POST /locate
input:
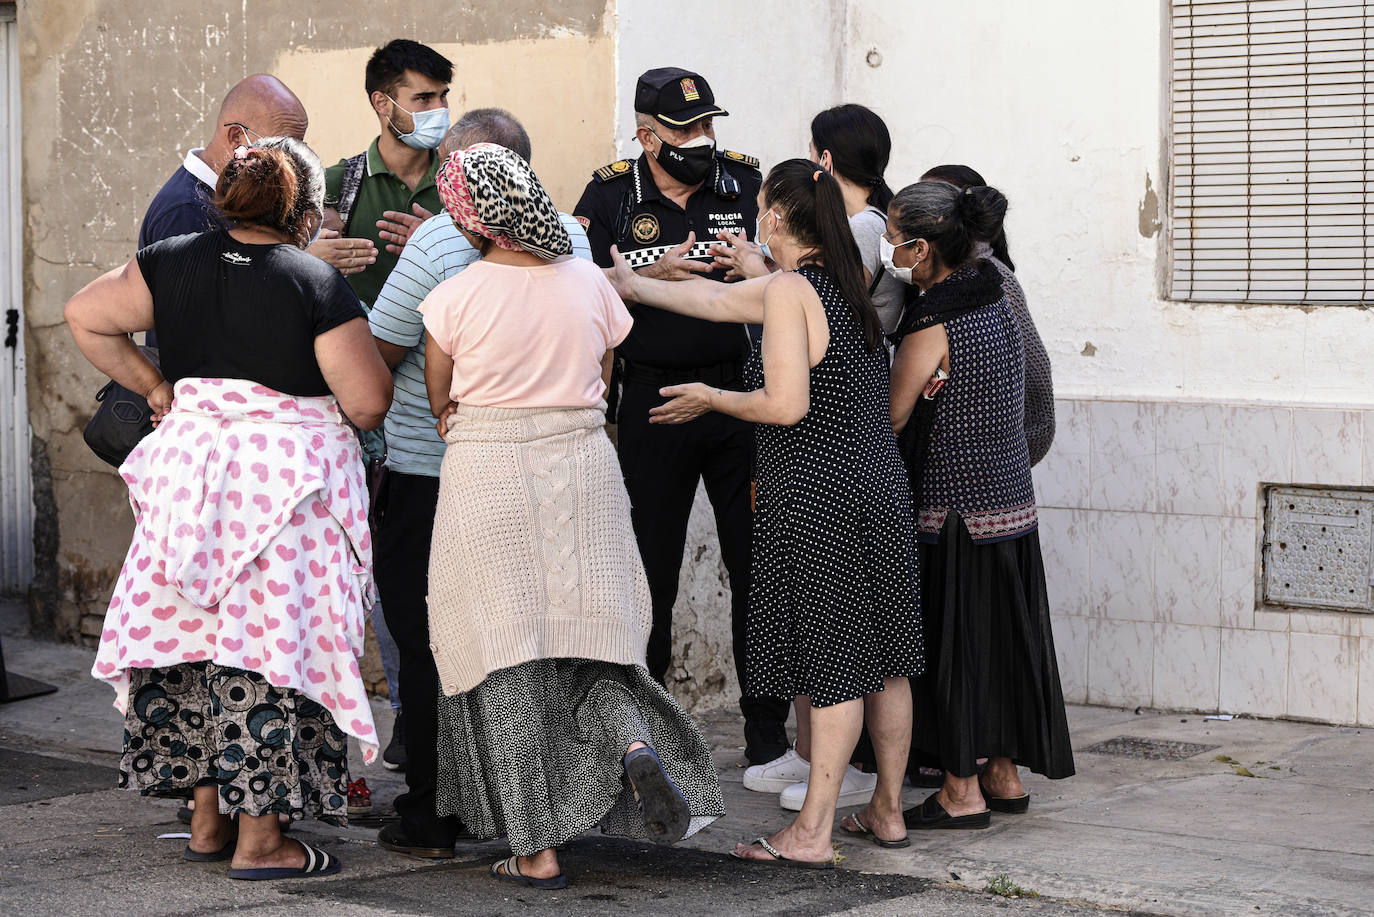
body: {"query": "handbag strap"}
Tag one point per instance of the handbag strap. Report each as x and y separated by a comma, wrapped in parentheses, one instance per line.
(348, 190)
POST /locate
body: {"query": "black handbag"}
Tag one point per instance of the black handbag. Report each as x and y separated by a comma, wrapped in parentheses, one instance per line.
(121, 419)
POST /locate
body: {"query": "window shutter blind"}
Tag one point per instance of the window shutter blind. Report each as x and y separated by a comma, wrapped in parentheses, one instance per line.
(1272, 147)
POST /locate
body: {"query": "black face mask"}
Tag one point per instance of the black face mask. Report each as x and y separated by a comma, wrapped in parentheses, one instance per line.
(688, 165)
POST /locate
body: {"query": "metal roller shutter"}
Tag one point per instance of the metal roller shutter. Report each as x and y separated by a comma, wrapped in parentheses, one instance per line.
(1272, 147)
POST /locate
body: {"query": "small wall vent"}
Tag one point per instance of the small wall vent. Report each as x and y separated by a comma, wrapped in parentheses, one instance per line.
(1319, 548)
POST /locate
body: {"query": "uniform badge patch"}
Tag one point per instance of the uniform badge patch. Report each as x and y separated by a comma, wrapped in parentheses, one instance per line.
(586, 223)
(733, 155)
(645, 228)
(620, 165)
(689, 89)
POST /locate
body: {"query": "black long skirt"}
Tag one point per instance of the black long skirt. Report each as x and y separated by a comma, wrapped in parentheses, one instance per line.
(991, 687)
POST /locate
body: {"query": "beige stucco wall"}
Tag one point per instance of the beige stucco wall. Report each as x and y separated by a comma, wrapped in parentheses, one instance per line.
(115, 92)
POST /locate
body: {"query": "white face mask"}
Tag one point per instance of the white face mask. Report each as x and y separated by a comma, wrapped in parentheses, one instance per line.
(758, 233)
(319, 228)
(430, 127)
(885, 252)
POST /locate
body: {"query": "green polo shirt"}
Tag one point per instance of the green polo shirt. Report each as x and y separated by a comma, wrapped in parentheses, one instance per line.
(379, 192)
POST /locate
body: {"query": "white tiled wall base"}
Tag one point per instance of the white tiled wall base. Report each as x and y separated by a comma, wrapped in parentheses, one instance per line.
(1151, 520)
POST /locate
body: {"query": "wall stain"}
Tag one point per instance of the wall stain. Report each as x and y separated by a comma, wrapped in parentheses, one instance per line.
(1088, 349)
(1148, 215)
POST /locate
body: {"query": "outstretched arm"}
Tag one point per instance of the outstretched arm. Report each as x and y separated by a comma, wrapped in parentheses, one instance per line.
(699, 298)
(786, 395)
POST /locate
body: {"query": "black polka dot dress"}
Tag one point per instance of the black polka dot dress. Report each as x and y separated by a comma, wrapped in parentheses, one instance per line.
(834, 604)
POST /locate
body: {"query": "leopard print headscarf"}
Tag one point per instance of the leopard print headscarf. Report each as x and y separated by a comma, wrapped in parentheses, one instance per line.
(491, 192)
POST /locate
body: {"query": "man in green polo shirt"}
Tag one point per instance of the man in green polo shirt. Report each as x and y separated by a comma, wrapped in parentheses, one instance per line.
(371, 196)
(407, 84)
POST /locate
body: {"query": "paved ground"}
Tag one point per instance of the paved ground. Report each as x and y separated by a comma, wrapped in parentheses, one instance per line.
(1128, 834)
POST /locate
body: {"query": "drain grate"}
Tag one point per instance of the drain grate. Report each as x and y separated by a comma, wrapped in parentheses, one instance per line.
(1155, 749)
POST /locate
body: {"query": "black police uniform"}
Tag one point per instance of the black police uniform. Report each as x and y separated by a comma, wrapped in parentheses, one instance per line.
(662, 463)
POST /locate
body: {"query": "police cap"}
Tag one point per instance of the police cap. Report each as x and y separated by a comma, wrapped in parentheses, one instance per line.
(676, 97)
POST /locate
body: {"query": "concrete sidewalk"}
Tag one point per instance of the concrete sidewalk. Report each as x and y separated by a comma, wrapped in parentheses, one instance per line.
(1168, 836)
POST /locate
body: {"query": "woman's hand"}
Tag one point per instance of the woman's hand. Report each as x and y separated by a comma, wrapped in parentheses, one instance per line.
(441, 425)
(741, 258)
(348, 256)
(160, 400)
(689, 402)
(621, 276)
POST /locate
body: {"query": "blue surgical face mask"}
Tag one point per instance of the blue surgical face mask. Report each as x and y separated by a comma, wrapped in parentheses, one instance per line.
(319, 228)
(758, 235)
(430, 127)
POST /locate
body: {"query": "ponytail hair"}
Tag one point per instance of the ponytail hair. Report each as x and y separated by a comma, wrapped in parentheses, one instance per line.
(860, 147)
(273, 184)
(963, 177)
(811, 203)
(948, 218)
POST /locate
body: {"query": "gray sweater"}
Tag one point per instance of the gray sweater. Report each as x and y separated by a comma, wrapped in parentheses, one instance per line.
(1039, 386)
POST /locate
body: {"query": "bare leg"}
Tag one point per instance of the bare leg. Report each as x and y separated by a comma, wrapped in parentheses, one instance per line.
(801, 708)
(261, 845)
(1001, 779)
(542, 865)
(961, 795)
(210, 831)
(835, 732)
(888, 715)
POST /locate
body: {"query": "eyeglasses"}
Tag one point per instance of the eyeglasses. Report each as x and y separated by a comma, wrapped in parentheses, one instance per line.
(257, 138)
(707, 124)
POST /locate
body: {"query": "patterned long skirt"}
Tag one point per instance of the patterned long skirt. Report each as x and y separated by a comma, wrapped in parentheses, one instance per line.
(266, 749)
(533, 753)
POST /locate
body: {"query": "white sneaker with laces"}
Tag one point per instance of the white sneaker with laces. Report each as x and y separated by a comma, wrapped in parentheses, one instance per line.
(778, 774)
(856, 790)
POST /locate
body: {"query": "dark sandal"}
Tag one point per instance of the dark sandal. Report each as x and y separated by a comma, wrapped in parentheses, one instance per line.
(513, 874)
(317, 863)
(219, 856)
(665, 809)
(864, 830)
(1009, 805)
(779, 860)
(930, 814)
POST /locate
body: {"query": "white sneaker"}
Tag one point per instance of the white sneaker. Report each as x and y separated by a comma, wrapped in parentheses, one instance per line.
(778, 774)
(856, 790)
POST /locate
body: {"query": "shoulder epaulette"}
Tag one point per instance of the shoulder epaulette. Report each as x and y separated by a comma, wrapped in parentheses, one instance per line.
(616, 169)
(750, 161)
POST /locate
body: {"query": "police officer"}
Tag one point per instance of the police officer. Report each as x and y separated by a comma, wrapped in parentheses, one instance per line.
(647, 207)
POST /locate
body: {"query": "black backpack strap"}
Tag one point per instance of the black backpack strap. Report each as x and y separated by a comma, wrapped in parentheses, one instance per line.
(348, 190)
(877, 279)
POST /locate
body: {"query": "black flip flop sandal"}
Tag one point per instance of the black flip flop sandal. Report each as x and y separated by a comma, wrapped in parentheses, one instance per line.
(513, 874)
(317, 863)
(930, 814)
(865, 831)
(1008, 805)
(778, 859)
(224, 853)
(665, 808)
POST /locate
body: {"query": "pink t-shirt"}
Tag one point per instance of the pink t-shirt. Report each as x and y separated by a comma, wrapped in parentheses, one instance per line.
(527, 337)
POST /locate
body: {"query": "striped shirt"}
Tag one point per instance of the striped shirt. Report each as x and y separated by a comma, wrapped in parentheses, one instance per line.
(434, 253)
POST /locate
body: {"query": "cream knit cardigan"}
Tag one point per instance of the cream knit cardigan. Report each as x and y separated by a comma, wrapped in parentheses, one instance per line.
(533, 555)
